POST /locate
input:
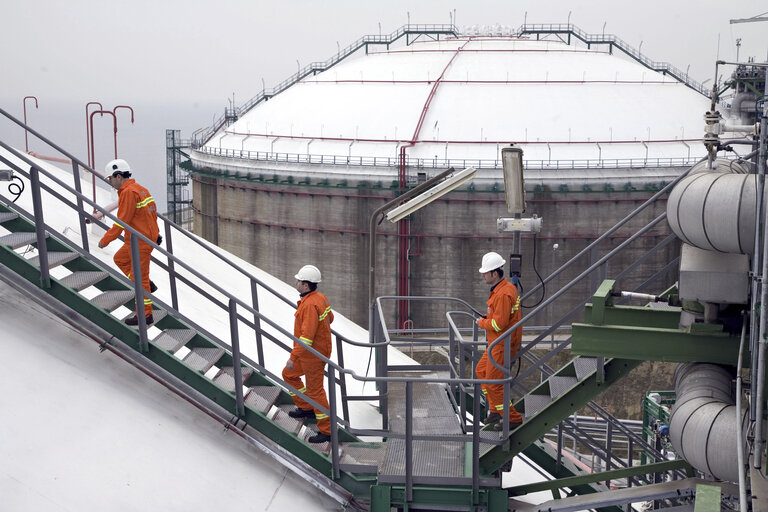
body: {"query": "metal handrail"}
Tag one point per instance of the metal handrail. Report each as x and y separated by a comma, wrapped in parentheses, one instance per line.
(430, 163)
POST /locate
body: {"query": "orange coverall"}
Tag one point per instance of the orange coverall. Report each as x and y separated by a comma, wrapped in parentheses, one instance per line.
(503, 312)
(136, 209)
(312, 325)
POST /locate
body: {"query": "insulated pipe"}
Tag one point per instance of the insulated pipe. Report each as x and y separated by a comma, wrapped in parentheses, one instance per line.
(715, 211)
(704, 419)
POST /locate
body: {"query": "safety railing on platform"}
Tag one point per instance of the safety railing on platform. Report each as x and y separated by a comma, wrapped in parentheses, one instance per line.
(437, 163)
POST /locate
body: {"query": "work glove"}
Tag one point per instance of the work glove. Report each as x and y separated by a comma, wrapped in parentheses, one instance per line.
(159, 239)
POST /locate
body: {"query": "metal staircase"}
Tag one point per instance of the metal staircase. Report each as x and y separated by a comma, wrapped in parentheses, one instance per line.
(429, 451)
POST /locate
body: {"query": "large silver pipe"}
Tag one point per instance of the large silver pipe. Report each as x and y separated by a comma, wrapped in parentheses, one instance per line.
(739, 437)
(704, 419)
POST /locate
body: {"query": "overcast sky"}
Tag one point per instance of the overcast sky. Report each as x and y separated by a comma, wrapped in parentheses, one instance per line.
(178, 62)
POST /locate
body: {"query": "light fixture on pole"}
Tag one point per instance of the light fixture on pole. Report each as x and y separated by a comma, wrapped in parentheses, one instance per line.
(452, 181)
(514, 190)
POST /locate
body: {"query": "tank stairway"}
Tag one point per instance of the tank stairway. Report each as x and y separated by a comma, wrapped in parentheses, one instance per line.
(89, 287)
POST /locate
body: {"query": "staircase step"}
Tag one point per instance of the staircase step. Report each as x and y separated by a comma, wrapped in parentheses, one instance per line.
(535, 403)
(172, 339)
(202, 359)
(290, 424)
(559, 385)
(226, 377)
(19, 239)
(113, 299)
(584, 366)
(82, 280)
(157, 315)
(362, 457)
(309, 432)
(55, 258)
(6, 216)
(261, 398)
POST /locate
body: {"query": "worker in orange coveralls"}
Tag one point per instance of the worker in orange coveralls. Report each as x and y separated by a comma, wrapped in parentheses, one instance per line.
(312, 326)
(502, 313)
(136, 209)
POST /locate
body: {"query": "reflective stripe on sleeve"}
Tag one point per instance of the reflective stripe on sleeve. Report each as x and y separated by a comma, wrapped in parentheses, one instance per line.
(495, 325)
(307, 341)
(325, 314)
(145, 202)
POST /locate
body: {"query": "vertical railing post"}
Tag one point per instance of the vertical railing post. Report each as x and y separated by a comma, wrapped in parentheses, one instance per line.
(80, 209)
(334, 422)
(238, 370)
(559, 445)
(257, 321)
(342, 377)
(476, 442)
(409, 441)
(37, 208)
(138, 293)
(507, 385)
(171, 267)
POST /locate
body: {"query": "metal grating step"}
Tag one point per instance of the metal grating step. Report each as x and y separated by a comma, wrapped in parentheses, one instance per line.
(362, 457)
(430, 459)
(173, 339)
(309, 432)
(261, 398)
(433, 411)
(82, 280)
(55, 258)
(290, 424)
(202, 359)
(584, 366)
(6, 216)
(19, 239)
(226, 377)
(535, 403)
(559, 385)
(113, 299)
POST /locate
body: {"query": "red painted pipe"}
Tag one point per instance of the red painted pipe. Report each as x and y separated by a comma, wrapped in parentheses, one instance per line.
(88, 132)
(114, 112)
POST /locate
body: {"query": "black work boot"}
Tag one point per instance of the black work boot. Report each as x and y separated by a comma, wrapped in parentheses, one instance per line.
(152, 287)
(134, 320)
(319, 438)
(492, 418)
(301, 413)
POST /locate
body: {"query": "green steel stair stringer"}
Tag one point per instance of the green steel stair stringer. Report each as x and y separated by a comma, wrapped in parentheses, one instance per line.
(574, 398)
(357, 484)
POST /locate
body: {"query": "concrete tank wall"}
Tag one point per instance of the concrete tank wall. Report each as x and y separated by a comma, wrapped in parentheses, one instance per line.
(280, 226)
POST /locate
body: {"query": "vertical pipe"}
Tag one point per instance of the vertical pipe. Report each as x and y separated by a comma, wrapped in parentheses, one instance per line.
(409, 441)
(138, 291)
(37, 208)
(739, 423)
(257, 321)
(238, 370)
(559, 460)
(80, 209)
(171, 267)
(334, 421)
(759, 435)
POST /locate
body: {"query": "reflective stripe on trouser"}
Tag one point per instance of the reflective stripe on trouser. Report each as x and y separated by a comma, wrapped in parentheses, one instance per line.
(123, 261)
(494, 393)
(313, 370)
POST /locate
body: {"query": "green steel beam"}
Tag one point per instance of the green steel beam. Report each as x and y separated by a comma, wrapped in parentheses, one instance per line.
(653, 344)
(384, 497)
(604, 476)
(535, 427)
(633, 315)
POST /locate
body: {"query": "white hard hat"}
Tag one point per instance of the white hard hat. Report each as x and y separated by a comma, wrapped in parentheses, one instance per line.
(118, 166)
(491, 261)
(308, 273)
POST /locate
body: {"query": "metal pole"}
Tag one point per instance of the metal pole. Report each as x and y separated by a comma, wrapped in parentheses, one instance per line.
(138, 291)
(334, 421)
(238, 371)
(409, 441)
(476, 441)
(342, 377)
(257, 321)
(80, 209)
(37, 208)
(171, 267)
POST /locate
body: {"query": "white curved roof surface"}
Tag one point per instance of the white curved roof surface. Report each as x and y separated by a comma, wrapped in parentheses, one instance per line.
(465, 97)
